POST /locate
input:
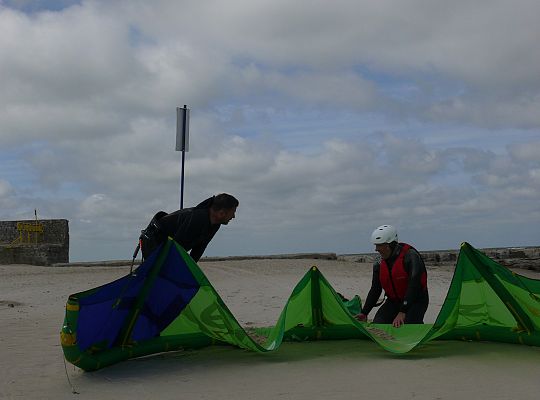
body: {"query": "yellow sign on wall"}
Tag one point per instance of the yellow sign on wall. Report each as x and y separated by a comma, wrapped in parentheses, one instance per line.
(29, 232)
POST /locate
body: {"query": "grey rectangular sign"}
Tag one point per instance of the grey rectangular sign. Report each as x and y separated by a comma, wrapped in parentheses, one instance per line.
(182, 129)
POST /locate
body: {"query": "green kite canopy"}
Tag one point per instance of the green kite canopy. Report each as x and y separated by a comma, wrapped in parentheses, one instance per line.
(168, 304)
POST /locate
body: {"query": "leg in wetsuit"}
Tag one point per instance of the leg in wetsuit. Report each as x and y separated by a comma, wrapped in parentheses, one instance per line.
(388, 311)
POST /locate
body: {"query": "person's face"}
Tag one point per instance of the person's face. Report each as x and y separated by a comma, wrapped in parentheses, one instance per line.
(384, 250)
(226, 215)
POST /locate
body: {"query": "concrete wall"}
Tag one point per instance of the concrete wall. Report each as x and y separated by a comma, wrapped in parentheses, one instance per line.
(513, 257)
(41, 242)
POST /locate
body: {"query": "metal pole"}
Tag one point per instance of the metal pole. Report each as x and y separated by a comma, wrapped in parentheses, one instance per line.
(184, 123)
(182, 181)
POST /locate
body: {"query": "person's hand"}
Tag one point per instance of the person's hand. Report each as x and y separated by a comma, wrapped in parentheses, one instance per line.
(399, 320)
(361, 317)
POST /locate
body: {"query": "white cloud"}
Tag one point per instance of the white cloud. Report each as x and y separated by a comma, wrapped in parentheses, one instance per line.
(324, 119)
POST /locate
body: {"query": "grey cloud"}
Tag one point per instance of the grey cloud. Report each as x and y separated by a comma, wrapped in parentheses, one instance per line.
(463, 43)
(344, 189)
(64, 55)
(5, 189)
(526, 152)
(463, 39)
(89, 96)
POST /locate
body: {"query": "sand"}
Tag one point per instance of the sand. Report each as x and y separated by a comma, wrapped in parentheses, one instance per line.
(32, 301)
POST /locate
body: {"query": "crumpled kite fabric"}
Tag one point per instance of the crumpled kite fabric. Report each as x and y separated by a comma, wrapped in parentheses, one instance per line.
(168, 304)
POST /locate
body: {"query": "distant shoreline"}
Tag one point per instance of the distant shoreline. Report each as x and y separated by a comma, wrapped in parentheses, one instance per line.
(520, 257)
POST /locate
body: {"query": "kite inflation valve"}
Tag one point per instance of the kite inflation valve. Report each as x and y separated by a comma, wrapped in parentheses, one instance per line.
(67, 337)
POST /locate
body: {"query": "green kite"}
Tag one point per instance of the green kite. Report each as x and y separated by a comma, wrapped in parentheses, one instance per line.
(168, 304)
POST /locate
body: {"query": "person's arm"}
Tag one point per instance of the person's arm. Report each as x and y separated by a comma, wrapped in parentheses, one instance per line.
(199, 248)
(190, 227)
(197, 252)
(414, 265)
(374, 292)
(183, 230)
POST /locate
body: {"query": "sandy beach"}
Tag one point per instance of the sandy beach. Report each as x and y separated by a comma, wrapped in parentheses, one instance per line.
(32, 301)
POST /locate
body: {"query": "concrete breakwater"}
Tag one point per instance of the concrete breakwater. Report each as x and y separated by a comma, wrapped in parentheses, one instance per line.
(512, 257)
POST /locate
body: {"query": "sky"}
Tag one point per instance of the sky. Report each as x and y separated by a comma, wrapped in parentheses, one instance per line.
(325, 119)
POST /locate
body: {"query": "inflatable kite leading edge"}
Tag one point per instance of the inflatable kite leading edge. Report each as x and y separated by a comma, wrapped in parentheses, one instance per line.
(168, 304)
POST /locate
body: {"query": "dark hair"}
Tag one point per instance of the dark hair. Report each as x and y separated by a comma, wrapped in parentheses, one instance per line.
(224, 201)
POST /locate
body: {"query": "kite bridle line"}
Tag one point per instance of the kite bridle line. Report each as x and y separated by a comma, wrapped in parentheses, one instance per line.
(137, 248)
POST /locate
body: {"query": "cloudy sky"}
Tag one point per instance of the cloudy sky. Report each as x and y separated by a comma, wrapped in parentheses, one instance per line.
(324, 118)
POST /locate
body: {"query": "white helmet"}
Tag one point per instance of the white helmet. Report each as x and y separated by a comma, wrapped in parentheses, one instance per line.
(384, 234)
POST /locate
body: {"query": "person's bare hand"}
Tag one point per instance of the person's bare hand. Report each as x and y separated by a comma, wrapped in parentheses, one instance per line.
(361, 317)
(399, 320)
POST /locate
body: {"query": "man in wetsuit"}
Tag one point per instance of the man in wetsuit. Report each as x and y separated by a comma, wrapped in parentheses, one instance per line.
(402, 274)
(192, 228)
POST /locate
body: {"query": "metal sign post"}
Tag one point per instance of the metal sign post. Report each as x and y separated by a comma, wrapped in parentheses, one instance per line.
(182, 143)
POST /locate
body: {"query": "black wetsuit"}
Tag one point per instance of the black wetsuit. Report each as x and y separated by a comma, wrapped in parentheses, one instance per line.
(416, 299)
(189, 227)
